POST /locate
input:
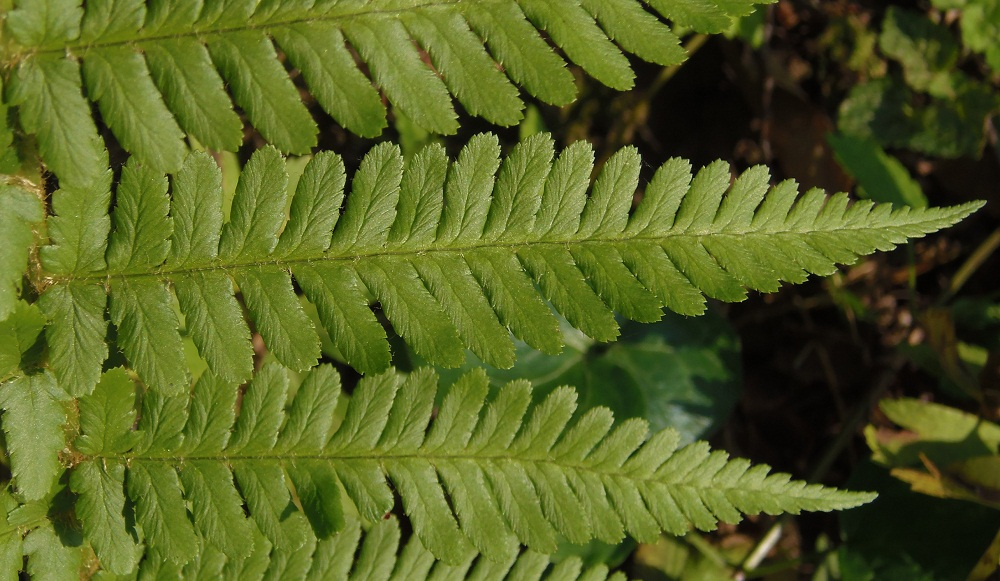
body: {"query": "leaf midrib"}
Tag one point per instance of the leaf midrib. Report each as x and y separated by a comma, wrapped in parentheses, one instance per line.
(377, 456)
(167, 271)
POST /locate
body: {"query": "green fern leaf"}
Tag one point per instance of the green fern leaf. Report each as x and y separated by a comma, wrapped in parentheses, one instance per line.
(159, 70)
(477, 479)
(45, 23)
(452, 255)
(379, 556)
(11, 543)
(18, 332)
(20, 210)
(100, 507)
(107, 415)
(33, 425)
(48, 558)
(47, 90)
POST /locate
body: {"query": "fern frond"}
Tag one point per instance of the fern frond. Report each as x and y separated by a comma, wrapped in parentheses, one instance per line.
(33, 418)
(20, 210)
(451, 253)
(18, 333)
(159, 70)
(373, 555)
(474, 478)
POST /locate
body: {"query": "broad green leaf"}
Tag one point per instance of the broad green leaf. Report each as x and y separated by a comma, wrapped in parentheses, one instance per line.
(371, 210)
(214, 320)
(680, 373)
(636, 31)
(263, 486)
(953, 127)
(469, 191)
(316, 487)
(315, 207)
(888, 539)
(311, 415)
(344, 312)
(927, 51)
(882, 176)
(162, 425)
(421, 197)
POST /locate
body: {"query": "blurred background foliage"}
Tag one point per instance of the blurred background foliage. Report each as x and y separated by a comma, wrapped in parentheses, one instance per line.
(883, 377)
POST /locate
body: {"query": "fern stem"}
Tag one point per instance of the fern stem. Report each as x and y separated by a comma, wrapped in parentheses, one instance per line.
(46, 279)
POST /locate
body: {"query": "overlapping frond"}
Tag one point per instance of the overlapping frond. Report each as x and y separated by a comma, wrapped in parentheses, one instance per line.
(159, 70)
(456, 255)
(373, 555)
(473, 478)
(20, 211)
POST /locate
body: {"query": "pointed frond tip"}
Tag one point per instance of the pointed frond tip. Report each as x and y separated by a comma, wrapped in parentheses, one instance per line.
(159, 70)
(457, 255)
(479, 475)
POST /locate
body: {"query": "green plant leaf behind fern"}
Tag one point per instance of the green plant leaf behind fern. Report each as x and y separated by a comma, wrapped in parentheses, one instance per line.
(477, 479)
(456, 255)
(159, 70)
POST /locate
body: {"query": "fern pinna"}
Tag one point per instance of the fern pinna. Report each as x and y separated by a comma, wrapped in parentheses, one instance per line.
(158, 71)
(474, 477)
(452, 253)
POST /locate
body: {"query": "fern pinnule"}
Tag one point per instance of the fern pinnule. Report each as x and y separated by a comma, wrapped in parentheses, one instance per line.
(475, 477)
(158, 71)
(20, 211)
(451, 252)
(32, 423)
